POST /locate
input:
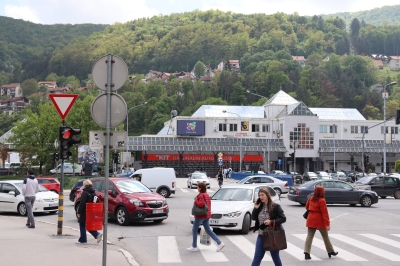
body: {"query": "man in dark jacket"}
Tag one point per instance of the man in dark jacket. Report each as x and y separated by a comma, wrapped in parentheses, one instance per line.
(88, 194)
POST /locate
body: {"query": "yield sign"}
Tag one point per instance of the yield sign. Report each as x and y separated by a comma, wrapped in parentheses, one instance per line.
(63, 103)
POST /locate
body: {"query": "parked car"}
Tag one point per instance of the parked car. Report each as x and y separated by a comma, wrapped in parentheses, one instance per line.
(196, 178)
(12, 200)
(336, 192)
(341, 176)
(323, 175)
(384, 186)
(310, 176)
(50, 183)
(232, 206)
(129, 201)
(160, 180)
(280, 187)
(7, 171)
(297, 177)
(74, 188)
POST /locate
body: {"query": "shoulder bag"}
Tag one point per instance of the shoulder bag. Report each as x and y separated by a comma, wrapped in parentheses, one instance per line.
(305, 215)
(274, 238)
(197, 211)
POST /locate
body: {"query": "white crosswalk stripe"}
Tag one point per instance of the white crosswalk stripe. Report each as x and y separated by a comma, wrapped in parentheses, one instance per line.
(372, 249)
(246, 246)
(298, 252)
(383, 240)
(209, 252)
(343, 254)
(168, 251)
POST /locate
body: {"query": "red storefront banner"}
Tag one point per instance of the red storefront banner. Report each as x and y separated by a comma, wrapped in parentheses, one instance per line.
(201, 157)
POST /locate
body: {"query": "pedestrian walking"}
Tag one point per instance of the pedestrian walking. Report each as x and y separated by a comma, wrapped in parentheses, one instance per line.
(29, 190)
(318, 219)
(220, 178)
(201, 199)
(264, 213)
(87, 196)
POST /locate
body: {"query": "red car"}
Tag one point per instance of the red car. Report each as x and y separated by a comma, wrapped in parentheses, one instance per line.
(50, 183)
(129, 201)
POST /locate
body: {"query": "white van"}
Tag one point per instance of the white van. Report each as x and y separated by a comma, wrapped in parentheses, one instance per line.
(161, 180)
(69, 168)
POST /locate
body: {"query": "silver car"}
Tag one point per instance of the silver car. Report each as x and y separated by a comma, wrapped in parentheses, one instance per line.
(280, 187)
(196, 178)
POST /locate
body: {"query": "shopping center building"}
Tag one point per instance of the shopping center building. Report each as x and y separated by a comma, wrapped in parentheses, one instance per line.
(266, 136)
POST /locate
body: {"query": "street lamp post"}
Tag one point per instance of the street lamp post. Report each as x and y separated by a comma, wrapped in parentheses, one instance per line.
(385, 94)
(127, 128)
(334, 148)
(268, 127)
(240, 149)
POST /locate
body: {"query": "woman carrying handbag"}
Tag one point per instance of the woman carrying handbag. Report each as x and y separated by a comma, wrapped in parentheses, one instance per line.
(266, 213)
(200, 201)
(318, 219)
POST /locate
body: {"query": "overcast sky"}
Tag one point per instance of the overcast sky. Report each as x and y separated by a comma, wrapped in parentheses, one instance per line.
(112, 11)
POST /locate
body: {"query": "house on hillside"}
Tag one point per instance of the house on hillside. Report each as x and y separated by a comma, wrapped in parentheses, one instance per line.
(156, 75)
(57, 90)
(231, 64)
(11, 90)
(48, 84)
(15, 104)
(394, 63)
(300, 59)
(209, 73)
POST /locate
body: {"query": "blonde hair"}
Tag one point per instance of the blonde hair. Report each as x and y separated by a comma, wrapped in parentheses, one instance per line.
(87, 183)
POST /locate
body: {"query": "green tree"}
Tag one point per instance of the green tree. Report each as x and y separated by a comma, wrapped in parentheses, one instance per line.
(29, 87)
(391, 108)
(199, 69)
(371, 112)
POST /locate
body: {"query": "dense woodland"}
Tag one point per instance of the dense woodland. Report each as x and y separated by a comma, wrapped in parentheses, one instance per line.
(335, 74)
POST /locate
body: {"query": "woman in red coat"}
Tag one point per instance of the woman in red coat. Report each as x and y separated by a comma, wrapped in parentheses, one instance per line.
(201, 199)
(318, 219)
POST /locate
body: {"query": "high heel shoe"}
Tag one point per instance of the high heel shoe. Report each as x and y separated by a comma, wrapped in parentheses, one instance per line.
(307, 256)
(332, 253)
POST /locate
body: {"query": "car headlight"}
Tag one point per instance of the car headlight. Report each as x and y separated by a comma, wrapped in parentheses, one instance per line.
(233, 214)
(136, 202)
(39, 200)
(165, 202)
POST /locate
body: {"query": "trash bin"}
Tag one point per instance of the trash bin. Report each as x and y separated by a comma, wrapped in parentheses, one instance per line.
(94, 216)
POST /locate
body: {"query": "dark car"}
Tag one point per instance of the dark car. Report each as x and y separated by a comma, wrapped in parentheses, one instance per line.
(297, 177)
(50, 183)
(7, 171)
(129, 201)
(384, 186)
(77, 186)
(336, 192)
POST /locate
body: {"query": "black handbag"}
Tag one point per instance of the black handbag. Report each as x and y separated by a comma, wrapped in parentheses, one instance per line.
(274, 239)
(197, 211)
(305, 215)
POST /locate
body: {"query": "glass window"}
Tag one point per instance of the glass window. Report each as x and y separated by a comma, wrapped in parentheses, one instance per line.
(222, 127)
(323, 129)
(130, 186)
(255, 128)
(342, 185)
(232, 127)
(5, 188)
(364, 129)
(327, 184)
(97, 185)
(390, 180)
(265, 127)
(281, 129)
(354, 129)
(266, 180)
(333, 130)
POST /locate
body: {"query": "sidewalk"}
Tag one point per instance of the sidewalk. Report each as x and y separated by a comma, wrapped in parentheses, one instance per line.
(20, 245)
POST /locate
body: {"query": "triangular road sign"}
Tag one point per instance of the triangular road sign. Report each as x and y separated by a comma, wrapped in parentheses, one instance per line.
(63, 103)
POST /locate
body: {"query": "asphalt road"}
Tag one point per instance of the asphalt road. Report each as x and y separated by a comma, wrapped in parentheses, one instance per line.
(363, 236)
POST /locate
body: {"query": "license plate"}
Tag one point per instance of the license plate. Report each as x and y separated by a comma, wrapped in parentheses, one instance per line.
(158, 211)
(214, 221)
(53, 204)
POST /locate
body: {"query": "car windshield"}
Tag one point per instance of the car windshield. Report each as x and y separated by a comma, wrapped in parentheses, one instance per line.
(233, 194)
(130, 186)
(41, 188)
(364, 180)
(199, 176)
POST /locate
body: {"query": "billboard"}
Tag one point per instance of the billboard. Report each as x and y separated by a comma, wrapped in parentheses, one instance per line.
(191, 127)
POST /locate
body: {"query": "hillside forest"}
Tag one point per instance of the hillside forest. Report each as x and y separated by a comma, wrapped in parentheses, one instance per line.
(338, 71)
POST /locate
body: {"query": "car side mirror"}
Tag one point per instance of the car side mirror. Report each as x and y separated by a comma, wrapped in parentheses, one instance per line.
(111, 193)
(12, 193)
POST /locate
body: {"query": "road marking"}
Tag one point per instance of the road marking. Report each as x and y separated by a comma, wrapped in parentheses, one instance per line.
(298, 253)
(184, 190)
(209, 252)
(361, 245)
(247, 247)
(343, 254)
(383, 240)
(339, 216)
(168, 251)
(398, 235)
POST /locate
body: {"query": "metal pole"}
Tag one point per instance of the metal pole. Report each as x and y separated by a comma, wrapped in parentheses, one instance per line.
(384, 132)
(107, 153)
(269, 139)
(61, 196)
(294, 156)
(334, 148)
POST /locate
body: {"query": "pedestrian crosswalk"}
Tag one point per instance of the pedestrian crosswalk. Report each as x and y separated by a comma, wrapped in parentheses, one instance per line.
(351, 248)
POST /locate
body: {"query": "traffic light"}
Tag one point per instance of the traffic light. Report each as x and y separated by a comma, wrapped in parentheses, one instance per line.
(397, 117)
(67, 140)
(56, 156)
(367, 159)
(292, 156)
(115, 157)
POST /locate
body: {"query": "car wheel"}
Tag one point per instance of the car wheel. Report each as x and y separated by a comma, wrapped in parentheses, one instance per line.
(383, 197)
(158, 221)
(366, 201)
(246, 224)
(22, 209)
(164, 192)
(278, 191)
(397, 194)
(188, 186)
(122, 216)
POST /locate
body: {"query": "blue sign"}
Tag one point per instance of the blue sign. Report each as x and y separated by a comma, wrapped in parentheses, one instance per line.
(219, 163)
(279, 161)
